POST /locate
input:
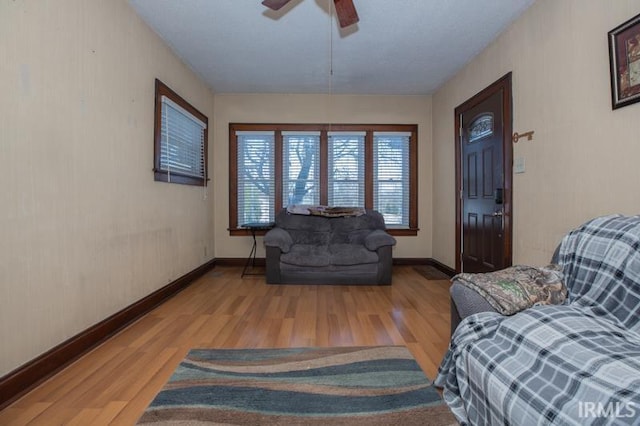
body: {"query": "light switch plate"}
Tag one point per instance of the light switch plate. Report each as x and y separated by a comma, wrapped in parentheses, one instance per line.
(518, 165)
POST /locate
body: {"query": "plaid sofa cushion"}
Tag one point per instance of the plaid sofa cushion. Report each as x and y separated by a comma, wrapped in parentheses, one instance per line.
(601, 266)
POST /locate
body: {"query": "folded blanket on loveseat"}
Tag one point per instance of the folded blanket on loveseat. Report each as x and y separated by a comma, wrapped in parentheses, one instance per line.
(325, 211)
(518, 287)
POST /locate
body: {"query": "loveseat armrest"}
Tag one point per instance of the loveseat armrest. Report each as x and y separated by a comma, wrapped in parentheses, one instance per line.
(377, 239)
(465, 302)
(278, 237)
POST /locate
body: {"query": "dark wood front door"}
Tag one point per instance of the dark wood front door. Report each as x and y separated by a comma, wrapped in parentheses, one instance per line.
(483, 170)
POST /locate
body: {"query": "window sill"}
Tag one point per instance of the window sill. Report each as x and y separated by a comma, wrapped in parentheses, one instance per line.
(396, 232)
(162, 176)
(403, 232)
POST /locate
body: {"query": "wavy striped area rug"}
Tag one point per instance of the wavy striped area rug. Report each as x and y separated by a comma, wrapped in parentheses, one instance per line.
(299, 386)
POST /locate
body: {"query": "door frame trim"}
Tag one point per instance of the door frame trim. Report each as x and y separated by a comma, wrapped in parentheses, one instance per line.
(504, 84)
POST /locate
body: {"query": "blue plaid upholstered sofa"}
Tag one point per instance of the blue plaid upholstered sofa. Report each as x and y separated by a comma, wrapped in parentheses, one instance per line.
(572, 364)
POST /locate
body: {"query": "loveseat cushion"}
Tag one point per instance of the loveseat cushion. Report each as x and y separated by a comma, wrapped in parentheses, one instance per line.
(307, 255)
(319, 238)
(351, 254)
(334, 254)
(302, 222)
(353, 230)
(305, 229)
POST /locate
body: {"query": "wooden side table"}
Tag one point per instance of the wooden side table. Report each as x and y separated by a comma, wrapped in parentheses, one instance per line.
(251, 260)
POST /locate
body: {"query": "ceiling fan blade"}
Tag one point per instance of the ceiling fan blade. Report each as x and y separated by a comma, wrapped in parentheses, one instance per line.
(275, 4)
(346, 12)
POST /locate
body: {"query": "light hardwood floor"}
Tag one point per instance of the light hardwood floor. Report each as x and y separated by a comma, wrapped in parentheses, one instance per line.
(115, 382)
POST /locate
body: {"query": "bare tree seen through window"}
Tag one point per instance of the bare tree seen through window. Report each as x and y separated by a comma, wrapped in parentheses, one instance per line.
(301, 171)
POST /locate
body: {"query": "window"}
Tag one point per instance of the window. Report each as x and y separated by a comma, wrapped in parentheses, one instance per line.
(346, 169)
(180, 139)
(275, 165)
(301, 168)
(391, 177)
(256, 177)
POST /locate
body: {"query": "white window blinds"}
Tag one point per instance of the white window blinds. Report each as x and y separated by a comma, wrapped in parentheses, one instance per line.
(182, 145)
(391, 176)
(301, 162)
(346, 169)
(277, 165)
(256, 176)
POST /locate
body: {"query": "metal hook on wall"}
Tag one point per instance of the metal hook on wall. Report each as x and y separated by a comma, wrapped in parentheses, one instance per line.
(528, 135)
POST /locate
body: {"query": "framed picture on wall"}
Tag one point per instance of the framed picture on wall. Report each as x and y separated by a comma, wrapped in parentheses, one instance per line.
(624, 59)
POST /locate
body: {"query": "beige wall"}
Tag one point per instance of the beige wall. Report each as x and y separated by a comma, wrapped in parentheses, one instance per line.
(284, 108)
(583, 160)
(85, 231)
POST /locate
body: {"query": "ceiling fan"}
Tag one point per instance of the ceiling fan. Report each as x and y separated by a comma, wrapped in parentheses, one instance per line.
(345, 10)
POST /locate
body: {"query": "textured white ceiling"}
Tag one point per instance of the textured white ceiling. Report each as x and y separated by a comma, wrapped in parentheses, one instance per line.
(398, 47)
